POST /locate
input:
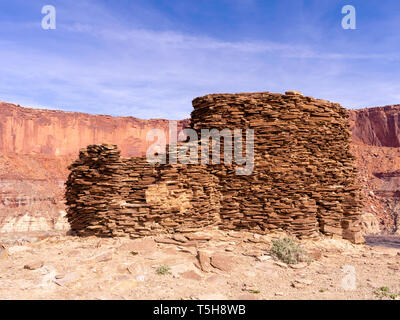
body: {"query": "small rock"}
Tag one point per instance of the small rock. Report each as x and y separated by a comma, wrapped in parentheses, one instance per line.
(34, 265)
(301, 283)
(234, 234)
(253, 253)
(267, 268)
(191, 275)
(197, 236)
(167, 241)
(190, 250)
(177, 269)
(293, 93)
(247, 296)
(279, 293)
(304, 281)
(299, 265)
(280, 264)
(3, 252)
(256, 238)
(27, 239)
(123, 268)
(125, 285)
(264, 258)
(104, 257)
(99, 244)
(49, 275)
(68, 278)
(179, 237)
(204, 260)
(131, 269)
(249, 287)
(216, 278)
(18, 249)
(190, 244)
(140, 246)
(221, 262)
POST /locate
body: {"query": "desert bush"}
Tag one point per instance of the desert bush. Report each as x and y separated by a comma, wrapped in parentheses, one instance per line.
(162, 270)
(384, 292)
(289, 251)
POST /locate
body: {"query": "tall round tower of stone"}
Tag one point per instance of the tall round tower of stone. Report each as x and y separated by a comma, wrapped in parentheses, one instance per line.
(304, 178)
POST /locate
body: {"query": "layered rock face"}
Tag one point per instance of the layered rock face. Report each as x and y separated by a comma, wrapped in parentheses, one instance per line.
(36, 147)
(376, 142)
(58, 133)
(31, 197)
(376, 126)
(379, 176)
(303, 180)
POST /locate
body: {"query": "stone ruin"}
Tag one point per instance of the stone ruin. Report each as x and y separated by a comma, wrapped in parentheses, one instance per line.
(304, 179)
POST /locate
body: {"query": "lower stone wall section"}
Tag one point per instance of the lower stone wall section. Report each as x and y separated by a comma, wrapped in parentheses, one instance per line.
(111, 196)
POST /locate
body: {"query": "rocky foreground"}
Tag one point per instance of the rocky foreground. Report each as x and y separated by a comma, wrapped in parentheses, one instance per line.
(210, 265)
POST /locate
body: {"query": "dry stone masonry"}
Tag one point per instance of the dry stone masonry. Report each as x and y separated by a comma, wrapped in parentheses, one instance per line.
(111, 196)
(303, 181)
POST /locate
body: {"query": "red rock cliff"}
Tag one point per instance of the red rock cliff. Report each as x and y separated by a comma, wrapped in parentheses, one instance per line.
(378, 126)
(376, 144)
(58, 133)
(36, 146)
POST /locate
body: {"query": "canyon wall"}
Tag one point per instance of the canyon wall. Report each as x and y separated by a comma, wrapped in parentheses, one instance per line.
(31, 197)
(58, 133)
(378, 126)
(36, 147)
(376, 145)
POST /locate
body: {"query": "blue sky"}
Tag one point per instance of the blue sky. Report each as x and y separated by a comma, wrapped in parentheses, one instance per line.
(149, 59)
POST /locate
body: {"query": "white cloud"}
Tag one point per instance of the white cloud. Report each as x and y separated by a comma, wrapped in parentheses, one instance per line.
(120, 70)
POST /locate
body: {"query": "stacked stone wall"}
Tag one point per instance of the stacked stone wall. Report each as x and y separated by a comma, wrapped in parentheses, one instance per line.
(303, 180)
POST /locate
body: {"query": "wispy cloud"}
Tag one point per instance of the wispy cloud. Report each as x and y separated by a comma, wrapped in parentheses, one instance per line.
(114, 67)
(176, 40)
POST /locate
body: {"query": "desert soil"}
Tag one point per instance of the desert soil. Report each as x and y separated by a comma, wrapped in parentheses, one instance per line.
(211, 265)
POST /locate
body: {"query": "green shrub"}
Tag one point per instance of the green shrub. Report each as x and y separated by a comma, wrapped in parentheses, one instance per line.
(254, 291)
(384, 289)
(162, 270)
(384, 292)
(289, 251)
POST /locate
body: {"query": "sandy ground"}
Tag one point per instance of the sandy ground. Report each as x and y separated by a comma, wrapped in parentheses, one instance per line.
(211, 265)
